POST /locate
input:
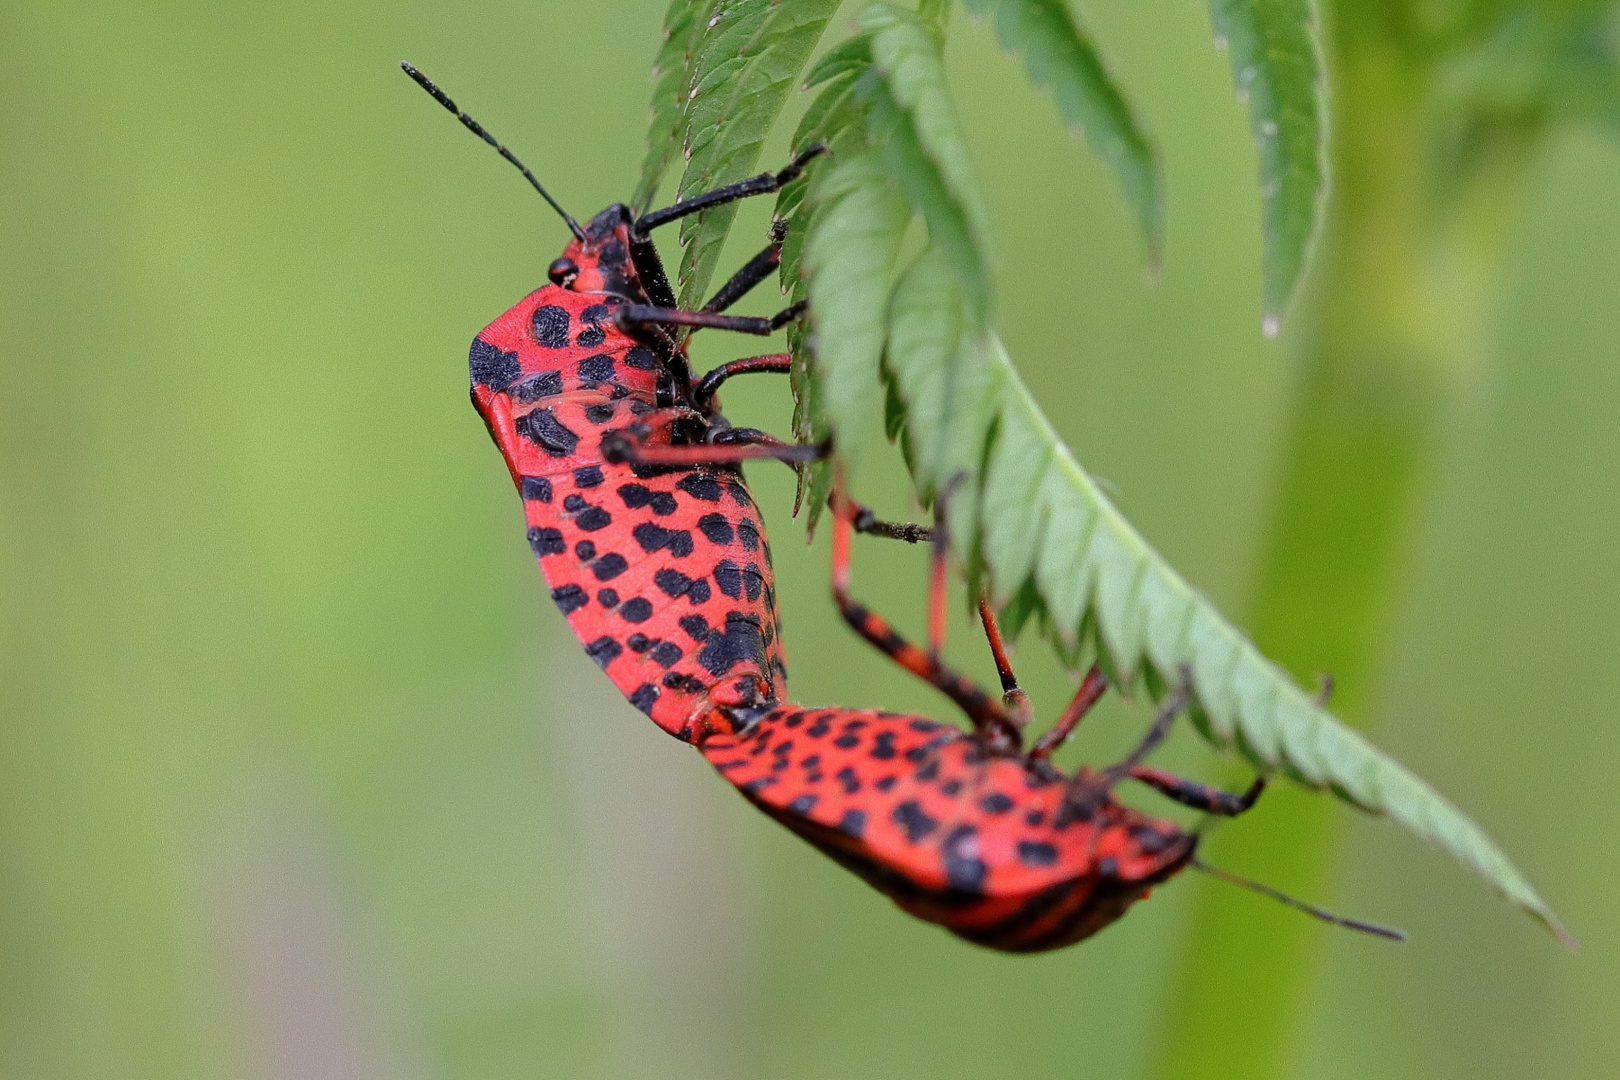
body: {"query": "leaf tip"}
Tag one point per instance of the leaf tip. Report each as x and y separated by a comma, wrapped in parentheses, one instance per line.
(1270, 324)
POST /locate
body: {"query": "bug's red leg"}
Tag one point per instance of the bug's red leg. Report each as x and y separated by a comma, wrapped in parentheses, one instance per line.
(710, 383)
(763, 184)
(938, 585)
(754, 271)
(1211, 800)
(986, 713)
(1091, 688)
(632, 315)
(1087, 790)
(1012, 695)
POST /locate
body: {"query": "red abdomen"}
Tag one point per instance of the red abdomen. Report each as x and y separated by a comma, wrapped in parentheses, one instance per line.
(985, 845)
(663, 573)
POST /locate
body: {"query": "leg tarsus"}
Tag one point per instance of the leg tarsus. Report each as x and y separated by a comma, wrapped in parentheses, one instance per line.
(1211, 800)
(753, 272)
(763, 184)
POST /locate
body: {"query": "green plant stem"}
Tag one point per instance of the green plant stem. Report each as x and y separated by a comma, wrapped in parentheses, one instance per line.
(1406, 285)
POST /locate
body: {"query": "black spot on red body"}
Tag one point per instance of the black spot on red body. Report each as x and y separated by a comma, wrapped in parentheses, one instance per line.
(588, 477)
(639, 643)
(536, 489)
(964, 870)
(547, 432)
(882, 746)
(593, 518)
(728, 576)
(546, 542)
(635, 610)
(569, 598)
(550, 326)
(635, 496)
(603, 650)
(666, 653)
(700, 486)
(853, 823)
(608, 598)
(641, 358)
(491, 367)
(671, 583)
(738, 643)
(995, 803)
(846, 776)
(652, 537)
(716, 529)
(748, 535)
(1036, 853)
(909, 816)
(596, 369)
(542, 385)
(609, 566)
(644, 696)
(696, 627)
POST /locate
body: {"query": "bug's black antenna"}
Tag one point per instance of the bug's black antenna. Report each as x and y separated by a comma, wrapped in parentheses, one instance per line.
(478, 129)
(1300, 905)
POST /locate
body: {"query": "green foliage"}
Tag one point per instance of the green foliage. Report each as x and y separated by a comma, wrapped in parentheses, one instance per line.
(670, 74)
(910, 342)
(745, 57)
(1058, 54)
(1274, 65)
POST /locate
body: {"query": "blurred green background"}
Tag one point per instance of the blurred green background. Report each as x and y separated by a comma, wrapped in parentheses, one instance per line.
(302, 776)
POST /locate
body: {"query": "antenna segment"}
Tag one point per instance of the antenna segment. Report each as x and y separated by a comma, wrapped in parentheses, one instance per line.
(1298, 905)
(478, 129)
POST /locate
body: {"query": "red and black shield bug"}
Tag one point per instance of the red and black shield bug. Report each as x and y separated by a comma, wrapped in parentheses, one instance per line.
(656, 554)
(636, 510)
(968, 829)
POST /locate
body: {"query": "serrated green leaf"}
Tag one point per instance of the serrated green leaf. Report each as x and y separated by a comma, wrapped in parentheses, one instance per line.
(1275, 70)
(1088, 562)
(749, 54)
(849, 260)
(925, 145)
(1058, 54)
(670, 76)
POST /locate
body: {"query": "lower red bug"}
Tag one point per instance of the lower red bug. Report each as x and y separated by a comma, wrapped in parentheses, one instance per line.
(966, 829)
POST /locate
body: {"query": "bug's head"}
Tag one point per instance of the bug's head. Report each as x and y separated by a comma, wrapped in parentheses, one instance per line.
(599, 261)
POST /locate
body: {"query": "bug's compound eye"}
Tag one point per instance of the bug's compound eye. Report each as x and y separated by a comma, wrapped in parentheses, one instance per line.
(563, 272)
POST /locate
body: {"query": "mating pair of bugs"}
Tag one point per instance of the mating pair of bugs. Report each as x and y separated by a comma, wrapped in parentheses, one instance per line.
(656, 554)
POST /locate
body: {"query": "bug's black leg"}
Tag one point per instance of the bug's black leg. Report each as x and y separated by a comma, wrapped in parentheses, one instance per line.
(650, 268)
(632, 315)
(763, 184)
(746, 444)
(864, 521)
(754, 271)
(1211, 800)
(710, 383)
